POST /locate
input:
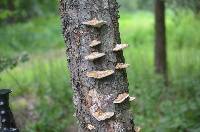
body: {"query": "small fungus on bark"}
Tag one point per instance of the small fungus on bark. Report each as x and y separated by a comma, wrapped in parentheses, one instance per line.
(90, 127)
(94, 55)
(119, 47)
(121, 98)
(95, 23)
(132, 98)
(137, 129)
(121, 66)
(101, 116)
(99, 74)
(95, 43)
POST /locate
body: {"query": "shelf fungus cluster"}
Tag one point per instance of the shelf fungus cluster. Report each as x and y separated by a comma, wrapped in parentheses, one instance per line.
(94, 55)
(95, 23)
(100, 105)
(95, 43)
(119, 47)
(122, 97)
(99, 74)
(121, 66)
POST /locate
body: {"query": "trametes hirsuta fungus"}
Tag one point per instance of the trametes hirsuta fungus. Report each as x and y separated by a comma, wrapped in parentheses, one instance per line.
(101, 116)
(90, 127)
(95, 43)
(137, 129)
(119, 47)
(121, 66)
(99, 104)
(99, 74)
(95, 23)
(131, 98)
(94, 55)
(121, 98)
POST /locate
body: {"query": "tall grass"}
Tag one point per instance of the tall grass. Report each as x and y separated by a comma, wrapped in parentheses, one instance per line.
(43, 84)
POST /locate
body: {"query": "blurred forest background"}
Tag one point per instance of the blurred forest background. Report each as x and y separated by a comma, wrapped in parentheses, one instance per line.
(33, 64)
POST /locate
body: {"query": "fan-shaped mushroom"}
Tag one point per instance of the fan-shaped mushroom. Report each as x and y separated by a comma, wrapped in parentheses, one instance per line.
(94, 55)
(132, 98)
(90, 127)
(121, 98)
(95, 23)
(95, 43)
(100, 116)
(121, 66)
(119, 47)
(100, 74)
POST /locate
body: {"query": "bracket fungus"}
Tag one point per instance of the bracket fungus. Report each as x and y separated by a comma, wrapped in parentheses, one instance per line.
(119, 47)
(138, 129)
(95, 43)
(95, 23)
(132, 98)
(94, 55)
(90, 127)
(121, 66)
(101, 116)
(99, 74)
(121, 98)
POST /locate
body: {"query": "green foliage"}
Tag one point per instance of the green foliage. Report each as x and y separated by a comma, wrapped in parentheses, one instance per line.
(20, 10)
(10, 63)
(193, 5)
(36, 36)
(157, 108)
(133, 5)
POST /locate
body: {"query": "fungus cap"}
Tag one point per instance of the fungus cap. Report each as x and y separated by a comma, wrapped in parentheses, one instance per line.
(121, 98)
(101, 116)
(95, 43)
(94, 55)
(132, 98)
(95, 23)
(121, 66)
(119, 47)
(90, 127)
(99, 74)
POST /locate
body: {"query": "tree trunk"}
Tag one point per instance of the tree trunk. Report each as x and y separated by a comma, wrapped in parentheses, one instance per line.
(95, 92)
(11, 5)
(11, 8)
(160, 40)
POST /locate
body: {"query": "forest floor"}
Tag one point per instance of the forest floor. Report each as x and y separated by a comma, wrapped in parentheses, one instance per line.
(42, 95)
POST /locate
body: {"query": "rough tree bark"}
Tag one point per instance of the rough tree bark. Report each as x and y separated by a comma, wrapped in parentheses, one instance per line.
(160, 40)
(100, 88)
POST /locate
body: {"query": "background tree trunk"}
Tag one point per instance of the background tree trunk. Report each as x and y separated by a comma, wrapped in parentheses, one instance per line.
(92, 94)
(160, 40)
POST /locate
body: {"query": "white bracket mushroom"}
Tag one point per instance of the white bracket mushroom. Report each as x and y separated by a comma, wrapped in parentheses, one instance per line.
(121, 98)
(94, 55)
(95, 23)
(95, 43)
(119, 47)
(121, 66)
(101, 116)
(132, 98)
(99, 74)
(90, 127)
(138, 129)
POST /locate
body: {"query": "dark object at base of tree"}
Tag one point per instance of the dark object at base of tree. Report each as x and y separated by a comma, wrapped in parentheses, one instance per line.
(6, 116)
